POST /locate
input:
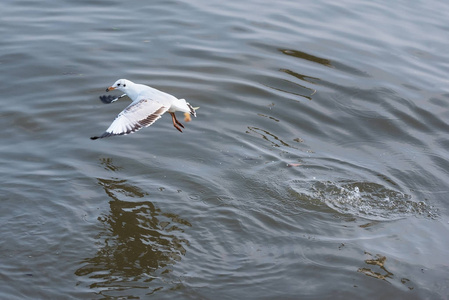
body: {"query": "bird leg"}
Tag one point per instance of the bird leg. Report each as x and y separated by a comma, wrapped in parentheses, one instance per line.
(176, 122)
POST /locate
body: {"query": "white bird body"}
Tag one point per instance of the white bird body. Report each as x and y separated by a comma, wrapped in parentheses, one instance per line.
(148, 105)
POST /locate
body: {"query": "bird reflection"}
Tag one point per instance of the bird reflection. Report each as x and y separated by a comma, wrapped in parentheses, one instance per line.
(139, 241)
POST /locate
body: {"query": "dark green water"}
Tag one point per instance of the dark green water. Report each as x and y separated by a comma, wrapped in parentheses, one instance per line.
(317, 167)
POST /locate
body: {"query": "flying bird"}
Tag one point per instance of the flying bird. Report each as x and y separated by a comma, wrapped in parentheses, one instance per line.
(148, 105)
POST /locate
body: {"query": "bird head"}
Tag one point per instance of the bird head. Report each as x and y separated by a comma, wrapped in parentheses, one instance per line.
(121, 84)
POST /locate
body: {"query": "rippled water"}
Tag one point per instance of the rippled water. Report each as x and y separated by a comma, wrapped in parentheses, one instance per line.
(317, 166)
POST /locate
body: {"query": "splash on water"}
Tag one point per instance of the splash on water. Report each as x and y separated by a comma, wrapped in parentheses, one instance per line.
(368, 200)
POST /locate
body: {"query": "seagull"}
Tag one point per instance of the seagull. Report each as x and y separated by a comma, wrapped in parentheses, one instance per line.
(148, 105)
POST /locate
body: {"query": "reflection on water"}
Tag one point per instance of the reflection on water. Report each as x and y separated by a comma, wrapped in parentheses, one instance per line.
(138, 244)
(379, 261)
(299, 76)
(266, 135)
(377, 269)
(306, 56)
(294, 88)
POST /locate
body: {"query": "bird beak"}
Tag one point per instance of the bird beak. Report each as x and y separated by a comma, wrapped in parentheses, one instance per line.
(110, 88)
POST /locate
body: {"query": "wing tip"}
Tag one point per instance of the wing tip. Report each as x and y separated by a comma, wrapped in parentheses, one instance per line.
(106, 134)
(192, 109)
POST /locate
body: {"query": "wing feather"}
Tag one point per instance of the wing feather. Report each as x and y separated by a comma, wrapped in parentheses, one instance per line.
(141, 113)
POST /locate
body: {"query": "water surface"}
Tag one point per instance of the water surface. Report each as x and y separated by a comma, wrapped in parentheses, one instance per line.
(317, 166)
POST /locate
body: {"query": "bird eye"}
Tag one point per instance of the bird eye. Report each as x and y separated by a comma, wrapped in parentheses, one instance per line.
(124, 84)
(118, 84)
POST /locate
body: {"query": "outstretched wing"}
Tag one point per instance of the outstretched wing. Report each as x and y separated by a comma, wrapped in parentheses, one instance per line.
(138, 114)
